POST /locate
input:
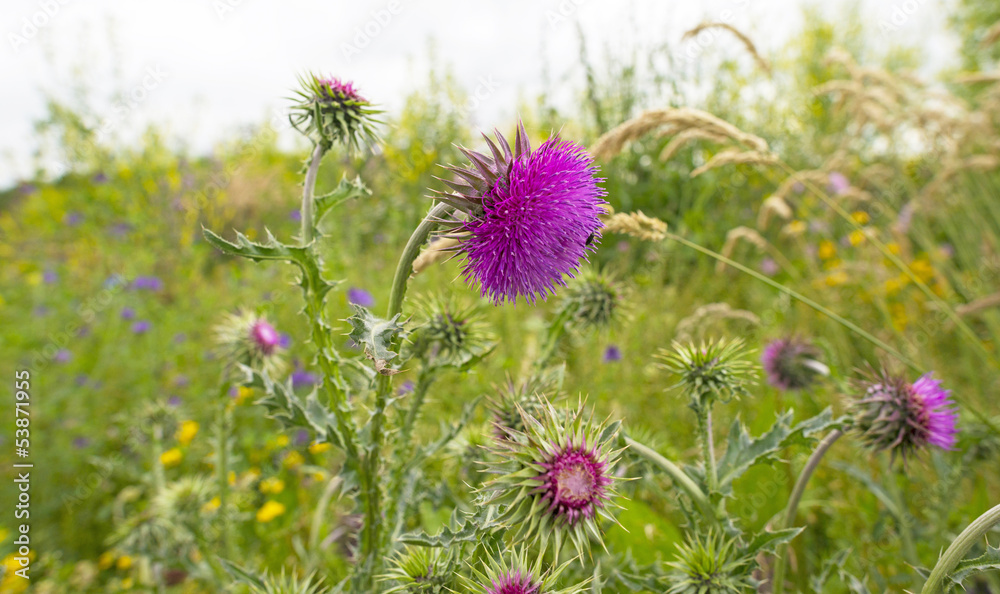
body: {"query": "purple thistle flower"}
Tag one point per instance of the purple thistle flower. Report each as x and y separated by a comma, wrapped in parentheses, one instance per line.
(893, 414)
(532, 216)
(612, 354)
(264, 336)
(141, 327)
(574, 484)
(62, 356)
(147, 283)
(838, 183)
(513, 582)
(335, 88)
(792, 364)
(360, 297)
(128, 313)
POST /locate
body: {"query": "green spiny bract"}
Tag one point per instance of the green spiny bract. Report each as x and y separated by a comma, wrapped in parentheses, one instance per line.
(592, 300)
(513, 574)
(451, 335)
(710, 371)
(513, 401)
(555, 479)
(711, 564)
(330, 111)
(421, 570)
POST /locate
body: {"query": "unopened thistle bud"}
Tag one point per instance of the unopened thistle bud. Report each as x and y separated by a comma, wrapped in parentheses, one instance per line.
(593, 300)
(529, 216)
(513, 574)
(249, 339)
(893, 414)
(711, 563)
(421, 570)
(792, 364)
(556, 478)
(450, 335)
(330, 111)
(710, 371)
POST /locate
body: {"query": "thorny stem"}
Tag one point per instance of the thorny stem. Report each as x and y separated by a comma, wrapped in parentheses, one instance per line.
(778, 582)
(405, 266)
(708, 447)
(677, 475)
(957, 550)
(556, 330)
(307, 195)
(903, 518)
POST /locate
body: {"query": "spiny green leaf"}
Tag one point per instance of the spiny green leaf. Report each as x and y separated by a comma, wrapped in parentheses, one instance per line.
(990, 560)
(345, 190)
(376, 336)
(768, 542)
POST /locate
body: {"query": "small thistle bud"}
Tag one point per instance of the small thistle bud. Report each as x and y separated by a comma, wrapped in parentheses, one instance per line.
(792, 364)
(556, 478)
(530, 216)
(514, 401)
(249, 339)
(421, 570)
(711, 564)
(331, 111)
(450, 335)
(514, 575)
(593, 300)
(713, 370)
(893, 414)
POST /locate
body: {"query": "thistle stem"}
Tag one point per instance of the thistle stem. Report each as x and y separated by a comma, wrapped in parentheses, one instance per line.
(677, 475)
(778, 582)
(958, 549)
(405, 266)
(554, 334)
(307, 195)
(222, 469)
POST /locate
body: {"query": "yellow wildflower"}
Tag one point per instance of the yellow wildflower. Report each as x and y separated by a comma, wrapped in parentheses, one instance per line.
(827, 249)
(34, 278)
(282, 441)
(795, 228)
(272, 486)
(270, 511)
(318, 447)
(106, 559)
(837, 278)
(242, 394)
(127, 583)
(856, 237)
(893, 248)
(231, 477)
(171, 458)
(293, 459)
(893, 286)
(124, 562)
(186, 432)
(922, 268)
(860, 217)
(211, 505)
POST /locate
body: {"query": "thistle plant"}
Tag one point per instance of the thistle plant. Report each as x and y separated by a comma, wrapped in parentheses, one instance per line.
(514, 574)
(792, 364)
(711, 563)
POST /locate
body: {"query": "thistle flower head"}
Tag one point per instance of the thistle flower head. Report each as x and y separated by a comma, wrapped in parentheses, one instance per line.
(421, 570)
(711, 563)
(331, 111)
(593, 300)
(555, 479)
(249, 339)
(451, 335)
(513, 574)
(710, 371)
(894, 414)
(792, 364)
(530, 216)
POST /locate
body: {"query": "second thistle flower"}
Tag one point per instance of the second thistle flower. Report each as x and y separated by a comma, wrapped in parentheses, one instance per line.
(531, 216)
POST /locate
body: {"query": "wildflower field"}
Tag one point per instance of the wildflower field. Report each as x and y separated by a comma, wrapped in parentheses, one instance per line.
(708, 330)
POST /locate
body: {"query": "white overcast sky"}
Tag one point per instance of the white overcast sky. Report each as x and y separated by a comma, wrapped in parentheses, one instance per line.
(221, 64)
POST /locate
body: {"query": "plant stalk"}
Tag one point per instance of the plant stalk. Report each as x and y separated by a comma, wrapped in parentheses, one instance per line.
(307, 195)
(405, 266)
(780, 561)
(955, 552)
(677, 475)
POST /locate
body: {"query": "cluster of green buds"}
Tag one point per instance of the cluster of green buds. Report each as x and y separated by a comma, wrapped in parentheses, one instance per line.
(710, 371)
(711, 563)
(555, 479)
(592, 300)
(331, 111)
(450, 335)
(422, 570)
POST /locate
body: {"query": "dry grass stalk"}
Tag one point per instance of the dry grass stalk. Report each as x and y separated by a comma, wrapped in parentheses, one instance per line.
(676, 121)
(991, 36)
(736, 235)
(973, 163)
(773, 205)
(733, 156)
(796, 181)
(635, 224)
(751, 48)
(689, 327)
(678, 141)
(979, 77)
(440, 249)
(988, 302)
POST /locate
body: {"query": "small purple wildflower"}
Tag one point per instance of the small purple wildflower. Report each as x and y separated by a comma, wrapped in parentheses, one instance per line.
(141, 327)
(27, 189)
(121, 229)
(83, 331)
(182, 381)
(62, 356)
(838, 183)
(80, 442)
(174, 401)
(128, 313)
(612, 354)
(905, 217)
(284, 340)
(302, 378)
(179, 338)
(41, 311)
(72, 219)
(406, 388)
(147, 283)
(769, 267)
(100, 178)
(50, 277)
(532, 216)
(295, 215)
(81, 380)
(360, 297)
(301, 438)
